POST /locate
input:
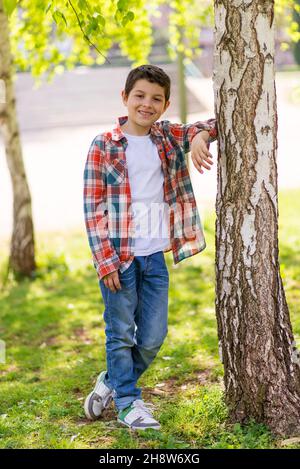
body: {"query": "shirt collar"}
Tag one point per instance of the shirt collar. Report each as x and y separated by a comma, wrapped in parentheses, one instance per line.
(117, 133)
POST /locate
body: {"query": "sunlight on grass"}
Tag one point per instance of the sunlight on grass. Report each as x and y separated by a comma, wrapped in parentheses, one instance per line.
(55, 347)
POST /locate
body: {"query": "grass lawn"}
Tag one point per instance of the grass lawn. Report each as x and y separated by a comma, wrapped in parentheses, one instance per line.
(55, 348)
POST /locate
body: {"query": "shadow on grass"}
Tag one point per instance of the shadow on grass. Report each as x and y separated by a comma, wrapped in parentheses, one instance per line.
(54, 333)
(47, 322)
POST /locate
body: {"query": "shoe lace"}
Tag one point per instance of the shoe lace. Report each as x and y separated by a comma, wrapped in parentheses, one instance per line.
(146, 407)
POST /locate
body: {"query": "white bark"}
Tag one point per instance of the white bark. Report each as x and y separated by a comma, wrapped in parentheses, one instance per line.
(261, 376)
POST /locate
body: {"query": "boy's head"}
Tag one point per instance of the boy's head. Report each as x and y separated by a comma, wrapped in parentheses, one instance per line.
(146, 95)
(151, 73)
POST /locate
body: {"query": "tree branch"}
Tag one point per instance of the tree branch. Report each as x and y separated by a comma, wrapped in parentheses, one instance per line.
(84, 35)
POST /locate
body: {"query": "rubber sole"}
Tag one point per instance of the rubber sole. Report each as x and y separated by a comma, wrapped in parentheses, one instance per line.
(87, 410)
(137, 428)
(86, 406)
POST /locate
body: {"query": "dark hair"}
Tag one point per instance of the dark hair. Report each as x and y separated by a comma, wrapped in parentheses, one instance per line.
(151, 73)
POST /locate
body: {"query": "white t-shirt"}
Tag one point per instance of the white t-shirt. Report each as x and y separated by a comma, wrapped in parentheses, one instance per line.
(150, 211)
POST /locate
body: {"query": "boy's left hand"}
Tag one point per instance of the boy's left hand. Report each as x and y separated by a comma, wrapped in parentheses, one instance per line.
(199, 151)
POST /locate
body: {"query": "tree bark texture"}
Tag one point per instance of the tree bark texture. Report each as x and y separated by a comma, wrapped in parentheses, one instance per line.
(261, 362)
(22, 259)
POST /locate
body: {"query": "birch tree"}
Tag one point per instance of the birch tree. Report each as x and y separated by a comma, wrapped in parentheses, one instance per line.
(22, 259)
(261, 362)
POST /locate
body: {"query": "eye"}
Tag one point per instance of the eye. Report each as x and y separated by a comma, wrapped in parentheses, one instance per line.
(157, 99)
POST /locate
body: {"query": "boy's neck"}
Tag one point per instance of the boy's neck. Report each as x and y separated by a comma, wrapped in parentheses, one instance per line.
(130, 129)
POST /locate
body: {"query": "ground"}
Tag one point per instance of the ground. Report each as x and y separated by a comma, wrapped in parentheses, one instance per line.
(55, 348)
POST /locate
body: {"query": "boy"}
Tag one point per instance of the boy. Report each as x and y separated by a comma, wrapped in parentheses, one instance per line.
(136, 171)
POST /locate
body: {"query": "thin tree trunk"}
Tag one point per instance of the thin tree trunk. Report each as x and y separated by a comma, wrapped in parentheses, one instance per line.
(22, 260)
(182, 95)
(261, 363)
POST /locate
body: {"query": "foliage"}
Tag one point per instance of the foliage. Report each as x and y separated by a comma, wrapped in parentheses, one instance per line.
(296, 17)
(284, 11)
(48, 36)
(185, 20)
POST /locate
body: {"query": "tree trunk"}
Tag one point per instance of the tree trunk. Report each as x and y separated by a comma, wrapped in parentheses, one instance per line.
(22, 260)
(261, 362)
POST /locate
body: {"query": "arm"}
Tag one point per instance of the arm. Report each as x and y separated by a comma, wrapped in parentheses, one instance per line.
(184, 133)
(105, 257)
(200, 151)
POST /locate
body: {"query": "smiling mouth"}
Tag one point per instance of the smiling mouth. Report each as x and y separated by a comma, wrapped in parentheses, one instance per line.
(145, 114)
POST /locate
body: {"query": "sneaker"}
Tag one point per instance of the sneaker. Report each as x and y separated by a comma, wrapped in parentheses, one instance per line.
(138, 416)
(99, 399)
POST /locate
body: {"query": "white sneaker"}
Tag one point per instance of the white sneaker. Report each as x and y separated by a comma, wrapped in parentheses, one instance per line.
(138, 416)
(99, 399)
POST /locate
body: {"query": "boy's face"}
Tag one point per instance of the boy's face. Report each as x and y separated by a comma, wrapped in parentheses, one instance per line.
(146, 102)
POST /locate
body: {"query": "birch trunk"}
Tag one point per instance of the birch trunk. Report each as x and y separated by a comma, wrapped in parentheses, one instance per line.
(22, 260)
(261, 363)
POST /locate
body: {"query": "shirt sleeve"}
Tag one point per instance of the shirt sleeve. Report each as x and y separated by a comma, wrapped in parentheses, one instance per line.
(104, 255)
(184, 133)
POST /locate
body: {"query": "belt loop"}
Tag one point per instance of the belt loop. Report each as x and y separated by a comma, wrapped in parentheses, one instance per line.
(149, 262)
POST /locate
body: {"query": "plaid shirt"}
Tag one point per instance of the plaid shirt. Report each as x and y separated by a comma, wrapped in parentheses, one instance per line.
(107, 198)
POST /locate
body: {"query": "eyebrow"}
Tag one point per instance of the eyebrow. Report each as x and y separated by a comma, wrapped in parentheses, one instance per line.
(157, 94)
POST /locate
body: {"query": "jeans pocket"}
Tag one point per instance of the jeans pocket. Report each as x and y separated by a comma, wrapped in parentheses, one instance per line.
(158, 264)
(127, 278)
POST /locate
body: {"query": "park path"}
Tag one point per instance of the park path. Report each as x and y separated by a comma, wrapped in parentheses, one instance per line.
(59, 121)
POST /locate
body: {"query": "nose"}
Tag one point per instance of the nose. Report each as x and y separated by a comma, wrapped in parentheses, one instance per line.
(146, 105)
(146, 102)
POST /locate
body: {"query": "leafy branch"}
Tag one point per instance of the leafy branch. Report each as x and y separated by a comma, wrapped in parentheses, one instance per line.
(86, 37)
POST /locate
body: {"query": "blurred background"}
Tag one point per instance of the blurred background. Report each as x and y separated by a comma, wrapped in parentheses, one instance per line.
(58, 121)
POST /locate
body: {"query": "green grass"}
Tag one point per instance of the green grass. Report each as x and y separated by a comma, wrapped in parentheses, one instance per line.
(55, 348)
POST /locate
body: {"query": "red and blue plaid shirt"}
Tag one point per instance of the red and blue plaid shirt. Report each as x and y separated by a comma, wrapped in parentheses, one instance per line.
(107, 198)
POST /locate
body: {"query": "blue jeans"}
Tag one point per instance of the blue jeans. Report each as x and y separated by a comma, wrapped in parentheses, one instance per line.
(136, 323)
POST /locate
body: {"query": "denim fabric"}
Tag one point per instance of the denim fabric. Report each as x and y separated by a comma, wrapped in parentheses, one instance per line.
(136, 323)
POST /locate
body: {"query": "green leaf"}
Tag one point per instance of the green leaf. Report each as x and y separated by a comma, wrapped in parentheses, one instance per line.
(92, 26)
(9, 6)
(58, 16)
(122, 4)
(83, 5)
(124, 21)
(101, 21)
(48, 7)
(99, 18)
(130, 16)
(64, 18)
(118, 17)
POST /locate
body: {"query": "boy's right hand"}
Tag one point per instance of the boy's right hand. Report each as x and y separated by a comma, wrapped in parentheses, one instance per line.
(112, 281)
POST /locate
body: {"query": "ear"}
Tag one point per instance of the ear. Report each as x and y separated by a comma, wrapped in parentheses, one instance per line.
(124, 97)
(167, 105)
